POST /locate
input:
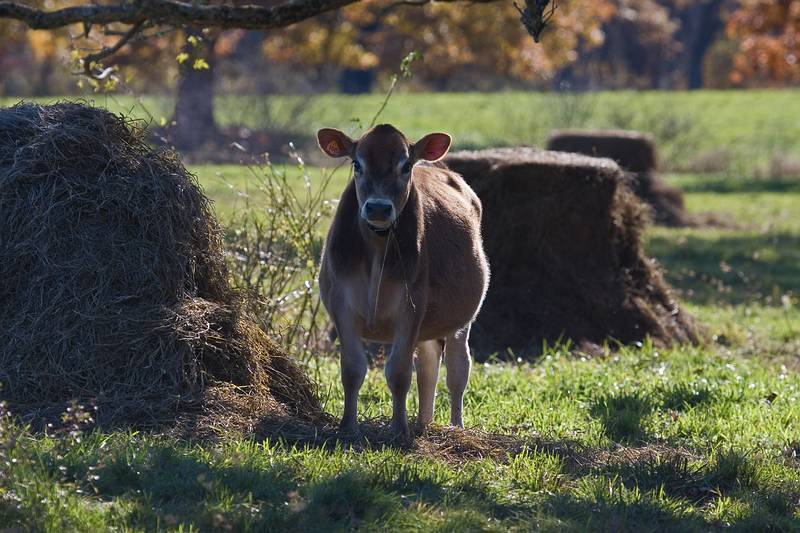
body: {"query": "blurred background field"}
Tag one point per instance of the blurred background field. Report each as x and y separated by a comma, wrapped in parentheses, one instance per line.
(751, 132)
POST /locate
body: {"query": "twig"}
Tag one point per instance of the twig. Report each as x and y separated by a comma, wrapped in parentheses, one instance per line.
(385, 101)
(534, 18)
(108, 51)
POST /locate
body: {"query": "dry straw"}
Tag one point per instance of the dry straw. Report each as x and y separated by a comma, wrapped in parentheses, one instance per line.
(636, 153)
(563, 235)
(113, 285)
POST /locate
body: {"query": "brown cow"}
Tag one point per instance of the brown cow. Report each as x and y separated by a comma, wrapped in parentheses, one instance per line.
(403, 264)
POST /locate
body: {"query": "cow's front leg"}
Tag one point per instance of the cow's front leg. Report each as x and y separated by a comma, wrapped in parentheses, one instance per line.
(399, 368)
(353, 363)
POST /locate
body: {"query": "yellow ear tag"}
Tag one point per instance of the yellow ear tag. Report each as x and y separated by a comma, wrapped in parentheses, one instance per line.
(332, 147)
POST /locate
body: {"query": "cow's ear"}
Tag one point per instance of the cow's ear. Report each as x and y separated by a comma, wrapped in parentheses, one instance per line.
(432, 147)
(335, 143)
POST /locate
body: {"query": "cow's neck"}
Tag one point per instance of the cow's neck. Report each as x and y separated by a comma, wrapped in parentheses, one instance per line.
(386, 254)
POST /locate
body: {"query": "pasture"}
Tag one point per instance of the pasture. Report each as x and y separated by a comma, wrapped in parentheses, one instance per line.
(642, 439)
(735, 131)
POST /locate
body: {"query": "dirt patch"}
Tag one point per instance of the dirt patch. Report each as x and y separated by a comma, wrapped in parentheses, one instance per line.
(113, 283)
(635, 152)
(563, 236)
(457, 446)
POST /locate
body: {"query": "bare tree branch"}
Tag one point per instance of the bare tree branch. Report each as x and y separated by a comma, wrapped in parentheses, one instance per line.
(419, 3)
(179, 13)
(111, 50)
(173, 13)
(534, 17)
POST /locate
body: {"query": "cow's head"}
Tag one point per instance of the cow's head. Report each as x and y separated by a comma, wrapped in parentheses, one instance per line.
(383, 160)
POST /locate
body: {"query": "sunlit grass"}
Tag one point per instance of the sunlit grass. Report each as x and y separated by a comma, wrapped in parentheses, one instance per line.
(748, 126)
(681, 439)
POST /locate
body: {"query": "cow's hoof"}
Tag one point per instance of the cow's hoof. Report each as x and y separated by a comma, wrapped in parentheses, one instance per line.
(420, 428)
(349, 430)
(400, 433)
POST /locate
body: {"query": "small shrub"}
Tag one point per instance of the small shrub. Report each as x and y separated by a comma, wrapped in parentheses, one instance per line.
(783, 165)
(712, 160)
(273, 254)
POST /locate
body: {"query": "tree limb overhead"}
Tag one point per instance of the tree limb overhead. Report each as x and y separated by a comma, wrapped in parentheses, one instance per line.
(173, 13)
(139, 14)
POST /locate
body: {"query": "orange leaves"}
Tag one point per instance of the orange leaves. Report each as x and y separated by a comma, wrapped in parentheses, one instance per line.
(43, 44)
(769, 41)
(316, 44)
(483, 39)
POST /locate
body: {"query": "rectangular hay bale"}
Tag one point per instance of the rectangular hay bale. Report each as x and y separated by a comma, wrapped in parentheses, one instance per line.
(563, 236)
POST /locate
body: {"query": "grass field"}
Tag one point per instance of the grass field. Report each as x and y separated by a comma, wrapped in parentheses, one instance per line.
(686, 439)
(737, 131)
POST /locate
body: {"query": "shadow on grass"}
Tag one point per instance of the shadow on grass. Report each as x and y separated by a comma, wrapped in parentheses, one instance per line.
(250, 487)
(730, 269)
(165, 484)
(727, 184)
(614, 512)
(675, 475)
(682, 396)
(622, 416)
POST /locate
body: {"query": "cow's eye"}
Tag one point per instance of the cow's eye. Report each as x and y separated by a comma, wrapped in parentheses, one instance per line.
(356, 167)
(406, 167)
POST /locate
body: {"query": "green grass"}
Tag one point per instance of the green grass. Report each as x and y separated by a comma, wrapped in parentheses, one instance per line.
(700, 446)
(749, 126)
(235, 188)
(687, 439)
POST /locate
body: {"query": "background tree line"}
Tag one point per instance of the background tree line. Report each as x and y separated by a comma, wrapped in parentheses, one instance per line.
(588, 44)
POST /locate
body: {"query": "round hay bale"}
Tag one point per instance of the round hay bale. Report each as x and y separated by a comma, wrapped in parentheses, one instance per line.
(113, 282)
(563, 236)
(666, 202)
(635, 152)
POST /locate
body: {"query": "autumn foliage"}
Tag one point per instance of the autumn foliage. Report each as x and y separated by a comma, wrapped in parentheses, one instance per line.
(591, 43)
(454, 40)
(769, 49)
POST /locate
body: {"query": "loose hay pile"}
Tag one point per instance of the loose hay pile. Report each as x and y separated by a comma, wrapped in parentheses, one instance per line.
(563, 236)
(635, 152)
(113, 286)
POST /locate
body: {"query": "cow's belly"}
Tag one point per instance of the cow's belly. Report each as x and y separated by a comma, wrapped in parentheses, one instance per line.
(448, 307)
(446, 314)
(442, 315)
(374, 321)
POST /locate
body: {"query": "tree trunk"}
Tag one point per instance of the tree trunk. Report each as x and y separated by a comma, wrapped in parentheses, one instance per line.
(356, 80)
(194, 105)
(361, 80)
(704, 22)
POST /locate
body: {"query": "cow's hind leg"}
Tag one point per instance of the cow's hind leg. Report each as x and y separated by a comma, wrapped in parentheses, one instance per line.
(429, 356)
(458, 361)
